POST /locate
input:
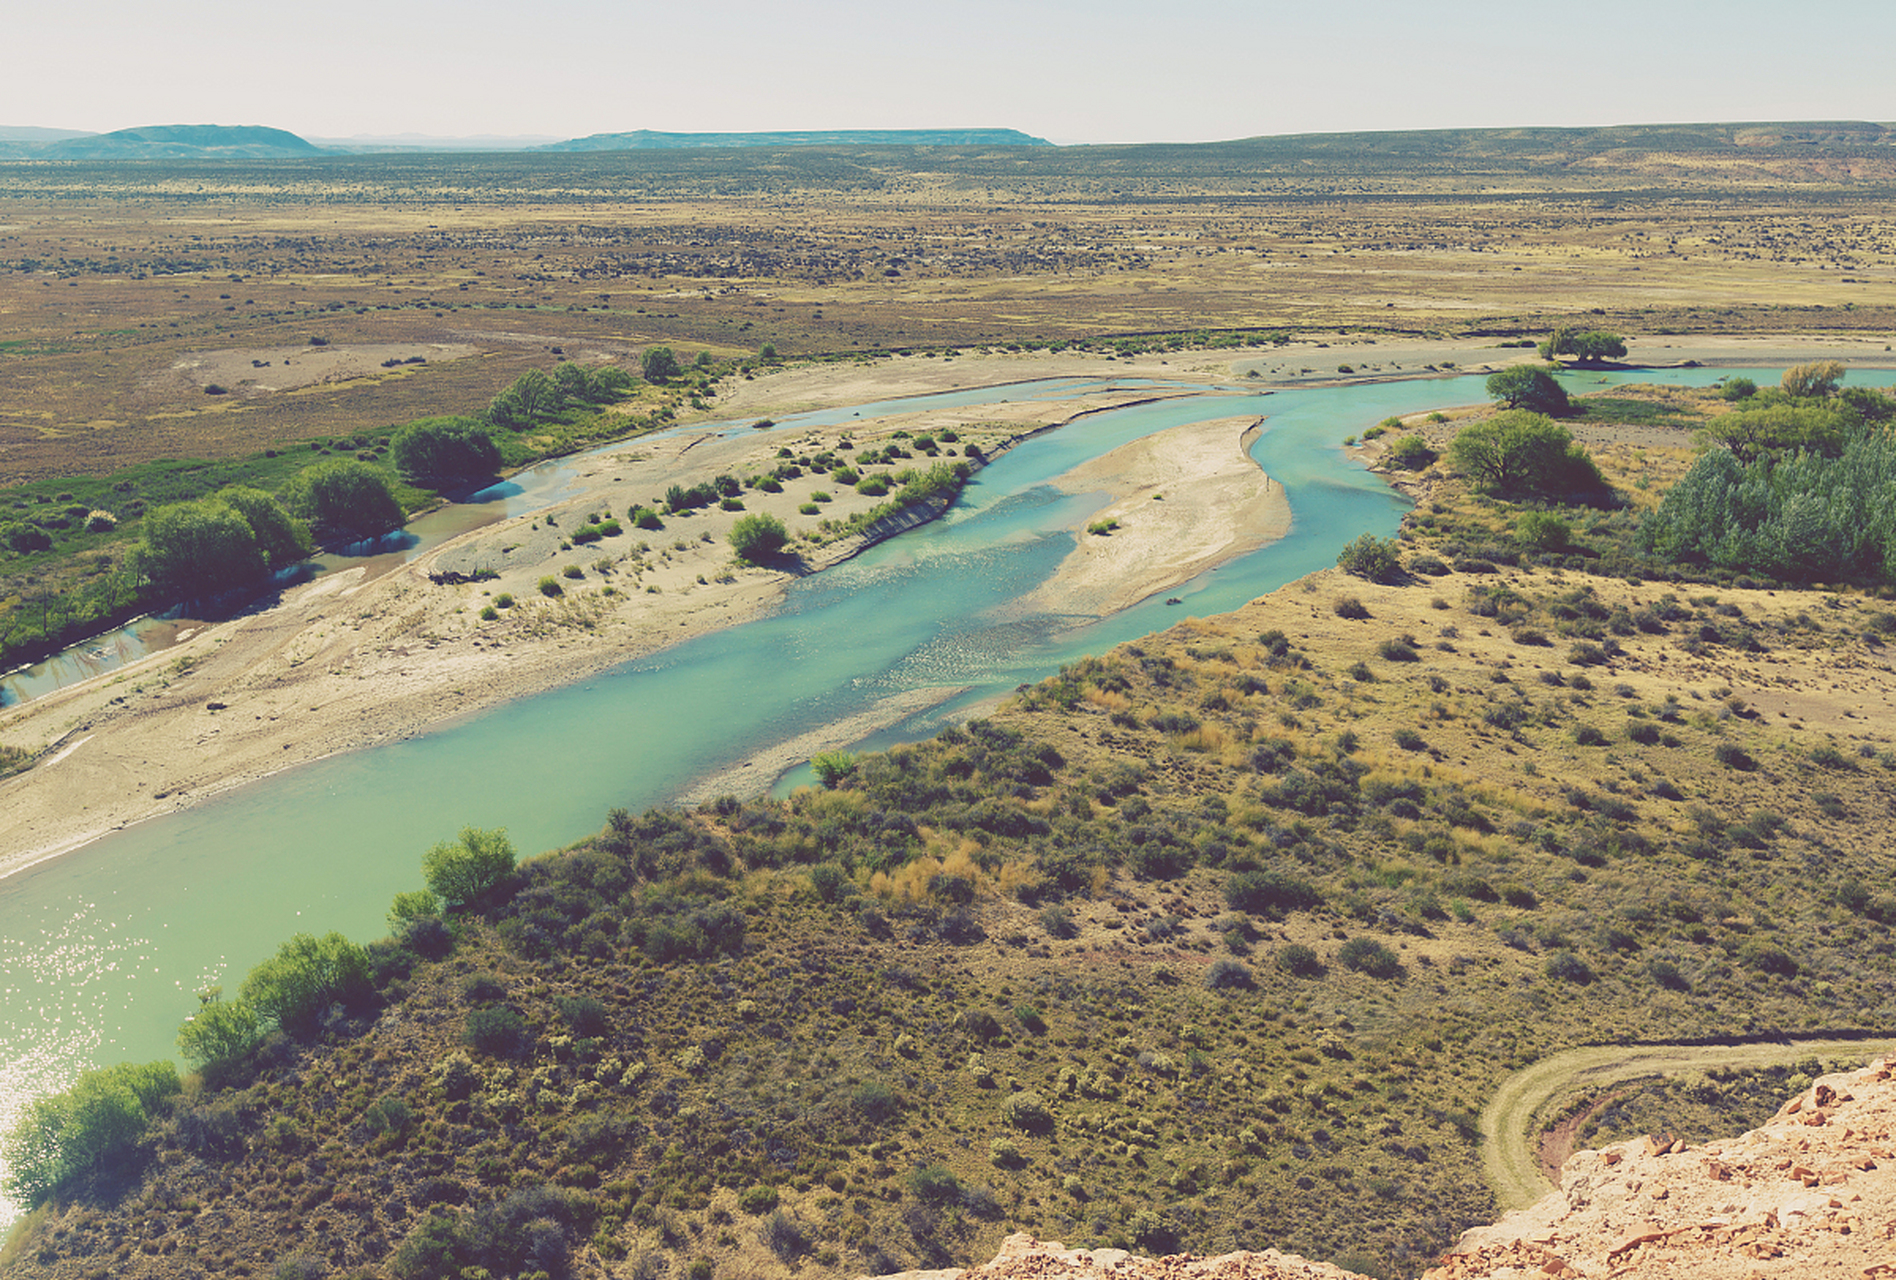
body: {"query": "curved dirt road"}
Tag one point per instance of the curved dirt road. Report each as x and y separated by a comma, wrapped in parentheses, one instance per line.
(1510, 1123)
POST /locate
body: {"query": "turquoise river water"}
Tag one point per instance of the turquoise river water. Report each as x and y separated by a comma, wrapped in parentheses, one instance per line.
(102, 950)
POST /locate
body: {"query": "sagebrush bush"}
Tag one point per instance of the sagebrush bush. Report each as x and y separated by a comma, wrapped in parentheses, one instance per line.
(1367, 956)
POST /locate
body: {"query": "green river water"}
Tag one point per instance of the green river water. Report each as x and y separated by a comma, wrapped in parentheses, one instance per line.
(102, 950)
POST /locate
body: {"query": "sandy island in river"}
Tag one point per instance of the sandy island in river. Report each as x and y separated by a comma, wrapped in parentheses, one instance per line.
(351, 659)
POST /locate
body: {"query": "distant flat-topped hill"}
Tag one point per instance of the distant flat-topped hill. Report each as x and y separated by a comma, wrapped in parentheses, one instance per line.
(647, 140)
(184, 141)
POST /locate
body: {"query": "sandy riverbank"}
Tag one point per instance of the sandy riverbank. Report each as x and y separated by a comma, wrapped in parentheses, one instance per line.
(350, 661)
(1179, 502)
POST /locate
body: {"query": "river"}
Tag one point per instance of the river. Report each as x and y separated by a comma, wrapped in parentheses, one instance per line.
(102, 950)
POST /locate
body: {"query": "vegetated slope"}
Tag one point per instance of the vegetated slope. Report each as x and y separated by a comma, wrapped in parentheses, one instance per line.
(1217, 941)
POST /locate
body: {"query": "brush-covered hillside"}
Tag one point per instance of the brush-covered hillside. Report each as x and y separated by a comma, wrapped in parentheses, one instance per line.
(1218, 940)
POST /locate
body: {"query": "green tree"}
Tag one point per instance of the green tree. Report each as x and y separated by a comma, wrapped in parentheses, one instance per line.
(65, 1137)
(293, 988)
(345, 499)
(531, 397)
(194, 548)
(461, 871)
(659, 364)
(1524, 386)
(573, 382)
(1592, 346)
(1517, 454)
(755, 536)
(1597, 346)
(1818, 378)
(281, 537)
(220, 1031)
(437, 451)
(1738, 388)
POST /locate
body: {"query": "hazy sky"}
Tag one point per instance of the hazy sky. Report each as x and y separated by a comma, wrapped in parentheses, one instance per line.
(1072, 71)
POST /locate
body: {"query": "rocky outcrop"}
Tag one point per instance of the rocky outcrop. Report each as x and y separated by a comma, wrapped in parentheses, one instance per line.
(1024, 1258)
(1811, 1193)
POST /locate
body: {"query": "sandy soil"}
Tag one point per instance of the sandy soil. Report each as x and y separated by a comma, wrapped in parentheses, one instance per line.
(256, 370)
(1184, 500)
(354, 659)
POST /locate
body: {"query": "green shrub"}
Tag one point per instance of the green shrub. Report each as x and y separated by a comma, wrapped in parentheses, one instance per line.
(1565, 966)
(1525, 387)
(755, 537)
(1228, 975)
(1349, 607)
(934, 1184)
(462, 871)
(498, 1031)
(296, 986)
(1269, 893)
(1367, 956)
(1299, 961)
(1027, 1111)
(875, 1102)
(1520, 455)
(219, 1032)
(584, 1014)
(550, 586)
(1543, 529)
(1411, 453)
(1372, 558)
(758, 1199)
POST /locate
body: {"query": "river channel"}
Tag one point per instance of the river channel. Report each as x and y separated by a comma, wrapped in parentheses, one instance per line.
(102, 950)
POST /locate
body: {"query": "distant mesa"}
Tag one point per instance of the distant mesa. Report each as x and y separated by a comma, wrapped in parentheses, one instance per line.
(647, 140)
(184, 142)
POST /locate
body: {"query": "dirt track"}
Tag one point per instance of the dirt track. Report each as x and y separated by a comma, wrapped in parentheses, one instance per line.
(1512, 1118)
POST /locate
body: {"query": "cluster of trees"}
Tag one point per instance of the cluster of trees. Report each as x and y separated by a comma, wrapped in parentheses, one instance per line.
(1803, 489)
(1807, 412)
(536, 395)
(66, 1138)
(1803, 516)
(239, 536)
(236, 537)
